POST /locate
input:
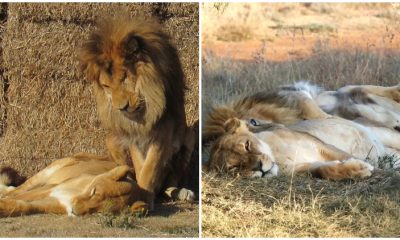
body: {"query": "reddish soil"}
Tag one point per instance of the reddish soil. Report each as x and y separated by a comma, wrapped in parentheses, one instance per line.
(297, 47)
(353, 27)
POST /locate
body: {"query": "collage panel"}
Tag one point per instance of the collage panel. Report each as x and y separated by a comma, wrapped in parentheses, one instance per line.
(99, 119)
(199, 119)
(300, 119)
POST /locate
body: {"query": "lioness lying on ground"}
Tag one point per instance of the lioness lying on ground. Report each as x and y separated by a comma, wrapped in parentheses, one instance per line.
(264, 150)
(75, 186)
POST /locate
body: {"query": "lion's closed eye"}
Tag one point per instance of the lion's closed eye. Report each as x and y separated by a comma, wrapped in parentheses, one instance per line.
(247, 146)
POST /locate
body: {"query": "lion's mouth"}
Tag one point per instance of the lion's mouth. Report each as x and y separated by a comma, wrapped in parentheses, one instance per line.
(135, 113)
(263, 173)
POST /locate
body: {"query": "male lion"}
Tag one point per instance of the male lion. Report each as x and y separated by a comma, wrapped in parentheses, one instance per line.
(263, 150)
(139, 88)
(286, 105)
(75, 186)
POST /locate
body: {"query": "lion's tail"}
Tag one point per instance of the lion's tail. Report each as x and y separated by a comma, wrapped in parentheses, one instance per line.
(214, 124)
(10, 177)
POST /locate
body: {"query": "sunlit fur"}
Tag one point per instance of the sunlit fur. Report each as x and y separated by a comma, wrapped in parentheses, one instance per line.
(285, 105)
(75, 186)
(134, 66)
(277, 149)
(360, 102)
(375, 107)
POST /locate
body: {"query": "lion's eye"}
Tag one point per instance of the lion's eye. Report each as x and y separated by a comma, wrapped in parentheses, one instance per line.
(253, 122)
(247, 145)
(105, 86)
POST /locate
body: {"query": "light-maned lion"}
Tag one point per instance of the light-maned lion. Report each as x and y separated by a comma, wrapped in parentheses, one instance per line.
(285, 105)
(75, 186)
(139, 88)
(264, 150)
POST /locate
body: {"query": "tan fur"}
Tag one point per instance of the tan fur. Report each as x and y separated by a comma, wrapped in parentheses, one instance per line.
(75, 186)
(392, 92)
(375, 107)
(281, 106)
(257, 154)
(139, 88)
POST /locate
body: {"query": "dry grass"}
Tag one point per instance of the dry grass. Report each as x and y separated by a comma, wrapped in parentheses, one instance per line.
(302, 206)
(269, 21)
(171, 220)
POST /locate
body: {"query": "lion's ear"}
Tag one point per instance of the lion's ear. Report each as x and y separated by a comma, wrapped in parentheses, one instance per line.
(231, 125)
(130, 46)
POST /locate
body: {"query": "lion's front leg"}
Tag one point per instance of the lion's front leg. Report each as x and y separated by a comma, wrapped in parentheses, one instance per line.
(137, 159)
(338, 170)
(181, 169)
(154, 171)
(117, 151)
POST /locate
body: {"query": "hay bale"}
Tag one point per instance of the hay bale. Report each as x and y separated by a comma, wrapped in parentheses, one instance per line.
(2, 104)
(3, 16)
(50, 108)
(74, 13)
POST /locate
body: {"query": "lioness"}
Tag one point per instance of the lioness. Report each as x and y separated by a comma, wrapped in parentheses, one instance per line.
(269, 149)
(75, 186)
(139, 88)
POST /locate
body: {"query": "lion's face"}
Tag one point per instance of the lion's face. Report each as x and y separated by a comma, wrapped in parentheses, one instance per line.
(239, 151)
(120, 86)
(108, 191)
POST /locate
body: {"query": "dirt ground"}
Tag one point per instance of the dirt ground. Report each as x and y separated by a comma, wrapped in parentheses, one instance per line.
(293, 30)
(171, 220)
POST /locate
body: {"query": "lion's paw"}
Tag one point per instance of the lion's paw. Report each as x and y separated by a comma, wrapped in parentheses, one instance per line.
(180, 194)
(186, 195)
(359, 168)
(140, 208)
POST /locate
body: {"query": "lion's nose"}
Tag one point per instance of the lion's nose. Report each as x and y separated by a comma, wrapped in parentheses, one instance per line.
(258, 167)
(397, 128)
(125, 108)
